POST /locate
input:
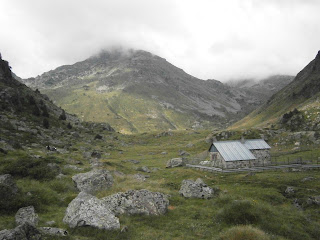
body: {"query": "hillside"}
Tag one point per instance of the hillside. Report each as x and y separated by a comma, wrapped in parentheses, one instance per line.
(301, 94)
(136, 91)
(263, 88)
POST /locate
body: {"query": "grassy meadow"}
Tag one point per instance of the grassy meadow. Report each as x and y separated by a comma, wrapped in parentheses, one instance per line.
(248, 206)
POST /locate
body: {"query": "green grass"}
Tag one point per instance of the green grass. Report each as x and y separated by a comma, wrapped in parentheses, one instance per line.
(258, 200)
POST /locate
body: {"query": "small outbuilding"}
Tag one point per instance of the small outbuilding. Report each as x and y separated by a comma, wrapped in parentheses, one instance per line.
(240, 153)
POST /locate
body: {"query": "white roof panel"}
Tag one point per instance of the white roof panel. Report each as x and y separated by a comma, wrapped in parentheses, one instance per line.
(255, 144)
(233, 151)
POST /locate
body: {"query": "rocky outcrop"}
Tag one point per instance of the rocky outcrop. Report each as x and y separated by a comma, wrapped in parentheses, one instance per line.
(27, 215)
(87, 210)
(93, 181)
(8, 186)
(25, 231)
(137, 202)
(175, 162)
(59, 232)
(196, 189)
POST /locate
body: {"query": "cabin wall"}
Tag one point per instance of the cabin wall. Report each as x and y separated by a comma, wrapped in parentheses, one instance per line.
(263, 157)
(217, 160)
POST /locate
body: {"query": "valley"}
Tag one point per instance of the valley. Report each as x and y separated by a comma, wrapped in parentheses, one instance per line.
(43, 148)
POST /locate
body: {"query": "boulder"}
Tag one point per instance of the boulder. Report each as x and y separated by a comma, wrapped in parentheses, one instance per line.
(54, 231)
(175, 162)
(8, 186)
(140, 177)
(93, 181)
(139, 202)
(25, 231)
(314, 200)
(196, 189)
(289, 191)
(27, 215)
(183, 153)
(87, 210)
(143, 169)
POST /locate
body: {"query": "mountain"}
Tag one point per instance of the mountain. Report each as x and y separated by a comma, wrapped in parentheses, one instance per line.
(296, 106)
(136, 91)
(263, 88)
(29, 117)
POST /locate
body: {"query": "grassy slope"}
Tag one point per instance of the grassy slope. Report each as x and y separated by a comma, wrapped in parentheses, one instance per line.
(187, 218)
(125, 112)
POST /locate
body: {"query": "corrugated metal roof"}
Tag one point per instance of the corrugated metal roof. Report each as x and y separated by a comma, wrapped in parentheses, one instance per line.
(233, 151)
(254, 144)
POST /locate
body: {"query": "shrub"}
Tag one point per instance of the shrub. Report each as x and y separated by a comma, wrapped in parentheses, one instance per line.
(240, 212)
(46, 123)
(28, 167)
(243, 233)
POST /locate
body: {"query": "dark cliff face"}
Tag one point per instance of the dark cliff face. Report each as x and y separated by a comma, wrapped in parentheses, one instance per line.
(5, 71)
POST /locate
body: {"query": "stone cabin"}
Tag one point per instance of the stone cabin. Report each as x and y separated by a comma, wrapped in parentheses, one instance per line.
(239, 153)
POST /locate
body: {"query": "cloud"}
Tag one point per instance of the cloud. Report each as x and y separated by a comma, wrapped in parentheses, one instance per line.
(209, 38)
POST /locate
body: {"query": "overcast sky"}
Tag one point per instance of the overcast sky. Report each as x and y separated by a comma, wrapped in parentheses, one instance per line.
(220, 39)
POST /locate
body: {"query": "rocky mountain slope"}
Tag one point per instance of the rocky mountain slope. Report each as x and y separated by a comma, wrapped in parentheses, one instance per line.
(136, 91)
(264, 88)
(295, 107)
(30, 118)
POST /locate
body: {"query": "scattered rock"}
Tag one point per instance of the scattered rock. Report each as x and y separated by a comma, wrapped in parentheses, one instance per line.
(118, 174)
(183, 153)
(144, 169)
(196, 189)
(164, 134)
(132, 161)
(60, 176)
(87, 210)
(189, 145)
(54, 231)
(314, 200)
(93, 181)
(175, 162)
(164, 153)
(139, 202)
(96, 154)
(73, 167)
(289, 191)
(8, 187)
(306, 179)
(27, 215)
(25, 231)
(140, 177)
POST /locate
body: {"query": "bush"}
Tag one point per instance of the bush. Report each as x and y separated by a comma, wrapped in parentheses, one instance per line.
(28, 167)
(46, 123)
(240, 212)
(244, 233)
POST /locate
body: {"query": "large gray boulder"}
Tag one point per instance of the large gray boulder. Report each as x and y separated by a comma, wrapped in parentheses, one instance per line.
(137, 202)
(25, 231)
(175, 162)
(87, 210)
(27, 215)
(7, 185)
(93, 181)
(196, 189)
